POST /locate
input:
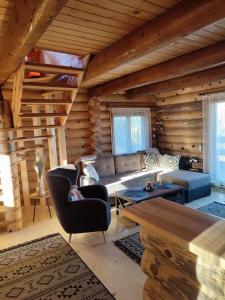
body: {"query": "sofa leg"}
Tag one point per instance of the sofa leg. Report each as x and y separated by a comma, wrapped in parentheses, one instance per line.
(70, 237)
(104, 236)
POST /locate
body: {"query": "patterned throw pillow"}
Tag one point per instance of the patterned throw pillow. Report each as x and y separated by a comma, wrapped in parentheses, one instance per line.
(89, 170)
(74, 194)
(151, 161)
(169, 162)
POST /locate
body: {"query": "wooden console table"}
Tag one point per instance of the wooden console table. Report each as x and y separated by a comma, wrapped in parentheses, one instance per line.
(184, 256)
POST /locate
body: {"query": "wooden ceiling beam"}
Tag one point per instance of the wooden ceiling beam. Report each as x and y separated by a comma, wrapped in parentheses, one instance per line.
(29, 21)
(181, 20)
(188, 81)
(186, 64)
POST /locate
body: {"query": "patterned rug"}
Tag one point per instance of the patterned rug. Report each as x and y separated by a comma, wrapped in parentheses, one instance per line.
(215, 208)
(132, 247)
(47, 269)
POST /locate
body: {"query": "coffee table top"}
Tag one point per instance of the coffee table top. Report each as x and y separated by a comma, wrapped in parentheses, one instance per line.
(138, 195)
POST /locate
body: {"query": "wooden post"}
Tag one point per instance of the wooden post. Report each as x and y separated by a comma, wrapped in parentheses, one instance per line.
(62, 145)
(184, 256)
(51, 141)
(38, 132)
(95, 125)
(51, 131)
(210, 251)
(16, 105)
(23, 171)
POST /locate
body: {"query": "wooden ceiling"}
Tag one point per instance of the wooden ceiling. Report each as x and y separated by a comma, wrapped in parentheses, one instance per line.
(6, 9)
(89, 26)
(202, 38)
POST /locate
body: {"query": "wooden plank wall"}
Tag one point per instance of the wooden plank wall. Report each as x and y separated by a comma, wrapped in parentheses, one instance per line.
(183, 124)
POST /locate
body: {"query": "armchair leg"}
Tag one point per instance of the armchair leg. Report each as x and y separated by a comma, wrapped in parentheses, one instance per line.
(70, 237)
(104, 236)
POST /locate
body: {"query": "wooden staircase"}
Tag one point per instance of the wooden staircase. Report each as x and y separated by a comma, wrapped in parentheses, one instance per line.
(35, 120)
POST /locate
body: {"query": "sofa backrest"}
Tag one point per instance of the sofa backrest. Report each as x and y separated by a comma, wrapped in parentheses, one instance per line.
(151, 150)
(127, 163)
(105, 166)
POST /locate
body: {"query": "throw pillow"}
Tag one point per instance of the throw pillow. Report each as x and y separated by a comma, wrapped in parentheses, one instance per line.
(74, 194)
(89, 170)
(151, 161)
(169, 162)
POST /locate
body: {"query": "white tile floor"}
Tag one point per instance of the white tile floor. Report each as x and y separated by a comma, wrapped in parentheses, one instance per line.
(216, 196)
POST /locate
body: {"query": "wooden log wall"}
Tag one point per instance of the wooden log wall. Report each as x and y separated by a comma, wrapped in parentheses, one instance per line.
(183, 124)
(85, 115)
(78, 130)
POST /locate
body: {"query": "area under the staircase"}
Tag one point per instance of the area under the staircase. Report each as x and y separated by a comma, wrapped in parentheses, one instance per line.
(32, 128)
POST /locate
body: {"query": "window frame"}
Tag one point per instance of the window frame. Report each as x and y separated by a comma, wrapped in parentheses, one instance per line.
(146, 111)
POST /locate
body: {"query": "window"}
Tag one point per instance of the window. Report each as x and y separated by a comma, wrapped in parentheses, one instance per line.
(130, 129)
(214, 137)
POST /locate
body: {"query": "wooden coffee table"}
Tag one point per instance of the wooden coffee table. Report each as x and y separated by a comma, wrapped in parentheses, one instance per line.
(170, 191)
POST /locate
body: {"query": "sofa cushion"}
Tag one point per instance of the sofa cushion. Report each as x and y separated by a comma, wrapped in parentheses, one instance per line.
(189, 180)
(89, 170)
(151, 151)
(127, 163)
(120, 182)
(105, 166)
(151, 161)
(169, 162)
(74, 194)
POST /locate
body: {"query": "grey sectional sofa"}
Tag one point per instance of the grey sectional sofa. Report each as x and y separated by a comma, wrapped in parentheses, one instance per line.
(128, 171)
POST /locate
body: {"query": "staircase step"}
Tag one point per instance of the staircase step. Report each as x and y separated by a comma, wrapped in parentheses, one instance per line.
(53, 69)
(4, 225)
(5, 209)
(45, 101)
(24, 150)
(49, 86)
(42, 115)
(30, 139)
(29, 128)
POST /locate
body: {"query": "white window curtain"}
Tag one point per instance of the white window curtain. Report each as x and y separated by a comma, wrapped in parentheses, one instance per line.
(214, 137)
(131, 129)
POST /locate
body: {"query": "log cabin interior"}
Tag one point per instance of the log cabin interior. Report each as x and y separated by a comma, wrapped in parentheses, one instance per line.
(112, 149)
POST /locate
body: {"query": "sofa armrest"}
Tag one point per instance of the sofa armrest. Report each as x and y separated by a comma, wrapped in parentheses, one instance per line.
(86, 216)
(94, 191)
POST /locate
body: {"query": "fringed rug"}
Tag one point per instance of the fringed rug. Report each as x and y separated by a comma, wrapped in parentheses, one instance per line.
(47, 269)
(132, 247)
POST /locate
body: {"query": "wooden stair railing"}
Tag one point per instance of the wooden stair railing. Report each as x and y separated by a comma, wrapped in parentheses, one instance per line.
(34, 121)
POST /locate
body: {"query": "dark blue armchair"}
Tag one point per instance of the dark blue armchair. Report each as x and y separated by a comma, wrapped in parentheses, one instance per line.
(88, 215)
